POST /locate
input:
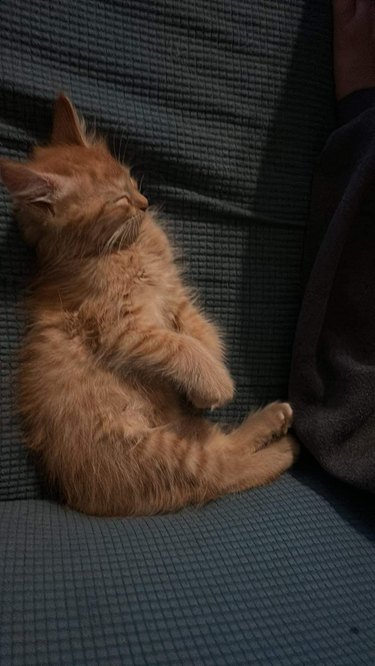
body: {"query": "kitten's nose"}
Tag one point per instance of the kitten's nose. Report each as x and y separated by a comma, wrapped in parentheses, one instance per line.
(140, 201)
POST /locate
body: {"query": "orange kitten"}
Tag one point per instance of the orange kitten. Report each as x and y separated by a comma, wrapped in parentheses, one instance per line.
(117, 357)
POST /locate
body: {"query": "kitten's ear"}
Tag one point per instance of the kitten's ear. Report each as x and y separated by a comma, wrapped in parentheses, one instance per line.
(68, 128)
(27, 186)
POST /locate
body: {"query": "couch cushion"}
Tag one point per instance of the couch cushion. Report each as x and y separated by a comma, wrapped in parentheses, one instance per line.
(281, 575)
(223, 107)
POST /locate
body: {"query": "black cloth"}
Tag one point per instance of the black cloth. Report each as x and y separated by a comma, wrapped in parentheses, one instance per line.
(332, 384)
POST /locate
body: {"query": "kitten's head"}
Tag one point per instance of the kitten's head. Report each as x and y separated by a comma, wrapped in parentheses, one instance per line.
(72, 194)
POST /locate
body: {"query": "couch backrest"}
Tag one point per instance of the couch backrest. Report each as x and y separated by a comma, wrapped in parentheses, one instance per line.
(223, 106)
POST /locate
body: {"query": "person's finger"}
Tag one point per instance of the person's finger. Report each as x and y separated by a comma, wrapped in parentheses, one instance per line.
(344, 10)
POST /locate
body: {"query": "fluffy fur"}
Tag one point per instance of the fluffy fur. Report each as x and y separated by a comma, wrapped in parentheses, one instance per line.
(118, 360)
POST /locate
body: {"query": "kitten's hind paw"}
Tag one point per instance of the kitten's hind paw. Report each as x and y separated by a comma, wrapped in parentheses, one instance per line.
(289, 446)
(279, 417)
(267, 425)
(280, 455)
(274, 420)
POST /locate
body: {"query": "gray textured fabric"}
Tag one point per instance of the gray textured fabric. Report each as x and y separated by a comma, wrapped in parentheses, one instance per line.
(223, 107)
(280, 576)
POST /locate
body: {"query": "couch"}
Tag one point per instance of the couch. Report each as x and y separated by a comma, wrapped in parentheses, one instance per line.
(222, 106)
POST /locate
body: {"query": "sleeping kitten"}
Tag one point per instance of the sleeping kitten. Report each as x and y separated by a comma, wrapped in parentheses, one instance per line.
(117, 357)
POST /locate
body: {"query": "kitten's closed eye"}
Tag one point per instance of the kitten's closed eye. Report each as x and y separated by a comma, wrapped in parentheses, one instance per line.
(123, 198)
(135, 199)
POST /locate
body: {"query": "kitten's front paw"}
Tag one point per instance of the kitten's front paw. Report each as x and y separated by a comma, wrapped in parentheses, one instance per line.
(215, 394)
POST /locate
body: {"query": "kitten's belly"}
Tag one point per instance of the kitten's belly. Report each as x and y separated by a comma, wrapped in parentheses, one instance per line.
(159, 397)
(63, 390)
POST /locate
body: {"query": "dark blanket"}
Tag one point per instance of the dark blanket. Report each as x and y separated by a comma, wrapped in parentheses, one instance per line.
(332, 384)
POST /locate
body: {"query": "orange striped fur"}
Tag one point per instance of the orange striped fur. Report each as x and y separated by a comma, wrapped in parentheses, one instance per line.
(118, 360)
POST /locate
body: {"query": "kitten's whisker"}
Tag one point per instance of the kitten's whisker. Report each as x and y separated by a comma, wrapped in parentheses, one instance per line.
(119, 155)
(113, 140)
(125, 233)
(123, 152)
(108, 247)
(94, 125)
(116, 142)
(127, 230)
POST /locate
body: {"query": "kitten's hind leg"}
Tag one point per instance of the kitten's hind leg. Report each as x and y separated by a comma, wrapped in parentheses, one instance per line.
(265, 465)
(169, 467)
(201, 463)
